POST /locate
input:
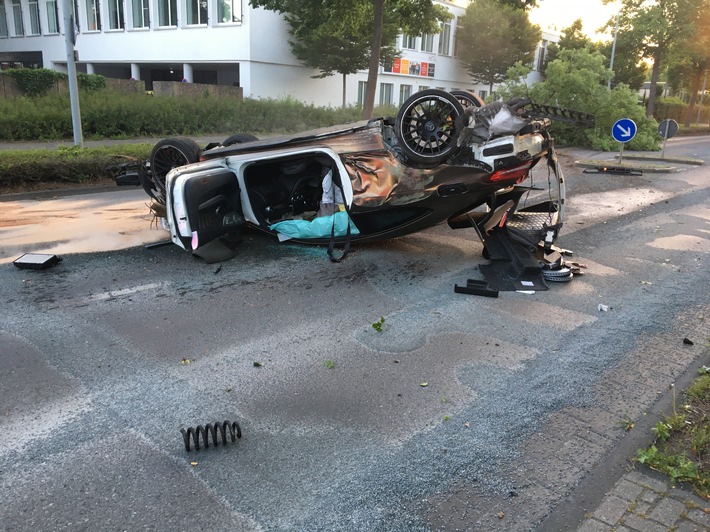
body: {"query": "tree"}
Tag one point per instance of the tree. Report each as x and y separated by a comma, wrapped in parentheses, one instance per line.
(629, 69)
(519, 4)
(571, 38)
(577, 80)
(493, 37)
(653, 27)
(690, 60)
(327, 39)
(341, 36)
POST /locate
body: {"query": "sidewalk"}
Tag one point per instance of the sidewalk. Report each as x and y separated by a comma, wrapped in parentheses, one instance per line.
(642, 503)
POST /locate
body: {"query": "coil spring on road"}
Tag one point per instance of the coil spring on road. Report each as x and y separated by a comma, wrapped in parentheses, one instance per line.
(231, 427)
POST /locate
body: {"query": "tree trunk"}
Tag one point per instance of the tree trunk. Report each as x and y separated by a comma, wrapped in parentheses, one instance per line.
(654, 81)
(490, 89)
(694, 87)
(344, 99)
(376, 45)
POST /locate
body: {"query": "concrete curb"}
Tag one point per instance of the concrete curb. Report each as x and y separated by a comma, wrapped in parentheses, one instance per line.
(675, 160)
(643, 167)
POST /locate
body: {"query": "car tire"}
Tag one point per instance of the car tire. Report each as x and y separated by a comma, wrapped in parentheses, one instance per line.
(468, 98)
(426, 126)
(239, 138)
(171, 153)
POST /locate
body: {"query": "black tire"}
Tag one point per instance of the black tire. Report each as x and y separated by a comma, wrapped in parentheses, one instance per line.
(239, 138)
(171, 153)
(468, 98)
(426, 126)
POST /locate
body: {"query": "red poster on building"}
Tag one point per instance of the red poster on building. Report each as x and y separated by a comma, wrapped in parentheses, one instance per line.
(423, 71)
(396, 65)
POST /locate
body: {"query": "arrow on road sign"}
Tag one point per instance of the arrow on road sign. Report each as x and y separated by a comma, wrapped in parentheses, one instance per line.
(624, 130)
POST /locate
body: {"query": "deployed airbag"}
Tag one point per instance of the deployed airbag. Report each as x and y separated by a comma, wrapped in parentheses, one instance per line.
(320, 227)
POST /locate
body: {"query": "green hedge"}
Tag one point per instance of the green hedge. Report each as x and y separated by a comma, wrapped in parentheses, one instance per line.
(111, 114)
(675, 108)
(25, 168)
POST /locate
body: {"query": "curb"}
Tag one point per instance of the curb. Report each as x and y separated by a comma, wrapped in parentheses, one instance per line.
(650, 168)
(676, 160)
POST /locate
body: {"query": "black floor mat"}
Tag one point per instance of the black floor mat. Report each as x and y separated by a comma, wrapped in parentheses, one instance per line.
(513, 264)
(215, 251)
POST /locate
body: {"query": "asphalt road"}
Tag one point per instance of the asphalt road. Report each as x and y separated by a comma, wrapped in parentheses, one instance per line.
(462, 413)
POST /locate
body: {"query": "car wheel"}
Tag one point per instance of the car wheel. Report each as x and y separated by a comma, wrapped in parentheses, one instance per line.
(468, 98)
(171, 153)
(239, 138)
(425, 126)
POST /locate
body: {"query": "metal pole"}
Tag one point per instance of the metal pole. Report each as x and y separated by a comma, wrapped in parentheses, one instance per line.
(702, 93)
(665, 138)
(69, 39)
(613, 47)
(621, 153)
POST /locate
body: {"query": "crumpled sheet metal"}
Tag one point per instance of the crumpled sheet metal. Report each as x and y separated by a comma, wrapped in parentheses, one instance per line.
(379, 178)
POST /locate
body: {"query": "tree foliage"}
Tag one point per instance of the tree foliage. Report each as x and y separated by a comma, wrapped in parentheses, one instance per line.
(492, 37)
(577, 80)
(346, 36)
(690, 59)
(519, 4)
(628, 67)
(652, 27)
(571, 38)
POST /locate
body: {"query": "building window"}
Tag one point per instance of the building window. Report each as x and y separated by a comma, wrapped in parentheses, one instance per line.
(167, 12)
(141, 13)
(17, 17)
(3, 20)
(35, 28)
(423, 87)
(361, 90)
(483, 94)
(409, 42)
(456, 40)
(115, 14)
(93, 15)
(405, 91)
(427, 43)
(52, 17)
(229, 10)
(386, 94)
(445, 38)
(196, 12)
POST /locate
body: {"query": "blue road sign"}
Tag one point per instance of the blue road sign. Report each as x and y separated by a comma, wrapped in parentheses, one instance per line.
(624, 130)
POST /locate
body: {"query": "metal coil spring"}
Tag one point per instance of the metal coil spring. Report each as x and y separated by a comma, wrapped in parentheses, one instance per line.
(194, 433)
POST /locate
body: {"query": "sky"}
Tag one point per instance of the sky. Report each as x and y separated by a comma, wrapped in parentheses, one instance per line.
(562, 13)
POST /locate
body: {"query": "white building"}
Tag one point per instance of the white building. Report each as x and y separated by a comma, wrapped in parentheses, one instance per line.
(225, 42)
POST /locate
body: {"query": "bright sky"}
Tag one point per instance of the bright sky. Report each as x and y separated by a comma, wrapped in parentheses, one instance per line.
(560, 14)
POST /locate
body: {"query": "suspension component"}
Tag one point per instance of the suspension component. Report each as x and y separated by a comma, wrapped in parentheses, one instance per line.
(231, 427)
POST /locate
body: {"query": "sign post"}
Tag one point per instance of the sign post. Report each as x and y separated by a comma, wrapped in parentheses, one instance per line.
(667, 129)
(623, 131)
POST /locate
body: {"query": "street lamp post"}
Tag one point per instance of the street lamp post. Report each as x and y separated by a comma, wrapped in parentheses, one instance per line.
(613, 47)
(70, 39)
(702, 93)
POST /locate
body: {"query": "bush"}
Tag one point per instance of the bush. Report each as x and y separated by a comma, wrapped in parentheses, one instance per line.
(90, 82)
(34, 82)
(673, 108)
(25, 168)
(111, 114)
